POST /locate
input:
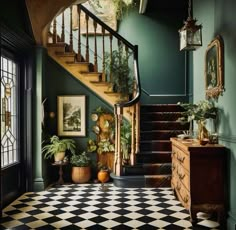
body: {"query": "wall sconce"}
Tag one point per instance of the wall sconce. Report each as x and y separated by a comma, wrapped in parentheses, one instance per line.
(190, 34)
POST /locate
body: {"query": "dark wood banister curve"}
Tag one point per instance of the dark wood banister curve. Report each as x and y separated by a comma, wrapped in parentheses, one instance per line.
(134, 48)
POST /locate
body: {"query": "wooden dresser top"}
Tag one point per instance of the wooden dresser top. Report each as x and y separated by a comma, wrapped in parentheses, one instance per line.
(193, 144)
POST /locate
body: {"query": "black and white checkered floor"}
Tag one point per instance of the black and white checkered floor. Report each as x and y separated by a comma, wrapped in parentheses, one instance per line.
(87, 207)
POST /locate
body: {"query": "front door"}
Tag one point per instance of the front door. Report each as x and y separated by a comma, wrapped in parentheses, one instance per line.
(12, 182)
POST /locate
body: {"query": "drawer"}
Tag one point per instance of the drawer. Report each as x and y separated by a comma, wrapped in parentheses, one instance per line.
(181, 157)
(183, 176)
(183, 194)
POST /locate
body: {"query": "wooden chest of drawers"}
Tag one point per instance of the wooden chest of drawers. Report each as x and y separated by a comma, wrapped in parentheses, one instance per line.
(198, 177)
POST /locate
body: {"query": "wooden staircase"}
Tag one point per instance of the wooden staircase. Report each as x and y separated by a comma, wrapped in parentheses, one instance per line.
(153, 162)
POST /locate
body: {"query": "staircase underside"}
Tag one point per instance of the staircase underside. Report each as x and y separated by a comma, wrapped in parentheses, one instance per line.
(81, 71)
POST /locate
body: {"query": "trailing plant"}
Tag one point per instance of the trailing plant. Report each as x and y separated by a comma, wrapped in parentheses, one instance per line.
(126, 134)
(80, 160)
(118, 71)
(102, 146)
(58, 145)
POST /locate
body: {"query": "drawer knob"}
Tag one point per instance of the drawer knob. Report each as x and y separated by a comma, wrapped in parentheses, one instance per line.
(178, 187)
(185, 199)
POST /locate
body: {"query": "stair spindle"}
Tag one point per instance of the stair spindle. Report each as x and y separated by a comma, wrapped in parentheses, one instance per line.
(63, 28)
(95, 47)
(103, 55)
(79, 56)
(87, 38)
(54, 31)
(111, 37)
(71, 33)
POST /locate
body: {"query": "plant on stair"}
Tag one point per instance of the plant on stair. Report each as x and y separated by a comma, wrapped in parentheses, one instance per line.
(118, 72)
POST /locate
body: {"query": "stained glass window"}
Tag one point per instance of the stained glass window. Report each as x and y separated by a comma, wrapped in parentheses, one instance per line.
(9, 112)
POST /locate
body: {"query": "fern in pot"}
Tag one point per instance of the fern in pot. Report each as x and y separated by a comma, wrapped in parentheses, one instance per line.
(57, 147)
(81, 168)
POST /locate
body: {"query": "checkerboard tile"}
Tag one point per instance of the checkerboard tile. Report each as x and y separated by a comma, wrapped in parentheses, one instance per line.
(85, 206)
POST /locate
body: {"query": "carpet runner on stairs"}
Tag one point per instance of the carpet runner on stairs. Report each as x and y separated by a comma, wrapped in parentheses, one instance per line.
(153, 163)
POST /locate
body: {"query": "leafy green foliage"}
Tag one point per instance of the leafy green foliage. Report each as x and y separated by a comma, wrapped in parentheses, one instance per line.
(80, 160)
(56, 145)
(117, 67)
(200, 111)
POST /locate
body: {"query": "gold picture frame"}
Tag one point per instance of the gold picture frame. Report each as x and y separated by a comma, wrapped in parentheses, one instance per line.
(214, 69)
(71, 115)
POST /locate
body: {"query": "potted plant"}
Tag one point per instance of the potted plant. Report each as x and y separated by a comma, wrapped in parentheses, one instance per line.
(199, 112)
(81, 168)
(57, 147)
(117, 68)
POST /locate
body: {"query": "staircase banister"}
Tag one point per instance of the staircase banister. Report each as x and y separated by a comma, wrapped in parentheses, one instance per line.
(137, 78)
(106, 27)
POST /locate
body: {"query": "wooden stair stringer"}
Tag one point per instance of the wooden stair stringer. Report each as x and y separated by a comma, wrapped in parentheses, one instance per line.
(82, 77)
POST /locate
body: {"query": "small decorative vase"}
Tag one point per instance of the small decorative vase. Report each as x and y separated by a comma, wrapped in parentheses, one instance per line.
(203, 134)
(103, 177)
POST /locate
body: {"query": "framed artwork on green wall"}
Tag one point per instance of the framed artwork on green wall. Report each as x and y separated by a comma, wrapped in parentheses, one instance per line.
(214, 69)
(71, 115)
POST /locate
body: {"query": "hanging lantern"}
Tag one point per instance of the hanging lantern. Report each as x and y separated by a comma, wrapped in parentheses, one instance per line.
(190, 33)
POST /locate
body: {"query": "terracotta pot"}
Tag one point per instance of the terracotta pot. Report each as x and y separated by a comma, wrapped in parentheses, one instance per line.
(81, 174)
(103, 176)
(59, 156)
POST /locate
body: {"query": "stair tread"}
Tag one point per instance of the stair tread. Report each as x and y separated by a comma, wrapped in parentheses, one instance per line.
(153, 152)
(77, 63)
(152, 141)
(65, 54)
(92, 73)
(162, 130)
(160, 112)
(162, 122)
(58, 44)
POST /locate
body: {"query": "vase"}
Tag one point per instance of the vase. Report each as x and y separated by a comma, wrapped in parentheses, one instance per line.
(203, 134)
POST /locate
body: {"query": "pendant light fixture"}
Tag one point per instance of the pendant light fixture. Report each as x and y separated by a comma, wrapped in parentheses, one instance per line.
(190, 34)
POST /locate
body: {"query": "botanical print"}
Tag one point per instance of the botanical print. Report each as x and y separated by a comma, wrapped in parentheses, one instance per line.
(71, 116)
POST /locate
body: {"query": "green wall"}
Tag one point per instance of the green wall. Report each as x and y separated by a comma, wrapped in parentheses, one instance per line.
(218, 18)
(58, 82)
(161, 64)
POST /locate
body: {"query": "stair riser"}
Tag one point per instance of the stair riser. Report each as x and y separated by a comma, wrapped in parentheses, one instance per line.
(160, 116)
(57, 49)
(155, 146)
(150, 169)
(161, 108)
(163, 126)
(159, 135)
(92, 78)
(68, 58)
(143, 158)
(80, 68)
(162, 181)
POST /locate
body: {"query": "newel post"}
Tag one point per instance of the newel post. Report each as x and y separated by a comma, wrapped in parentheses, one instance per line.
(118, 111)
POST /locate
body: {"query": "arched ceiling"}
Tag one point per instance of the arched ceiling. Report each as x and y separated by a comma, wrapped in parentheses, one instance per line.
(41, 14)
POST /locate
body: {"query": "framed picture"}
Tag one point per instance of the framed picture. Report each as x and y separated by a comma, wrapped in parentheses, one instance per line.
(103, 9)
(71, 115)
(214, 69)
